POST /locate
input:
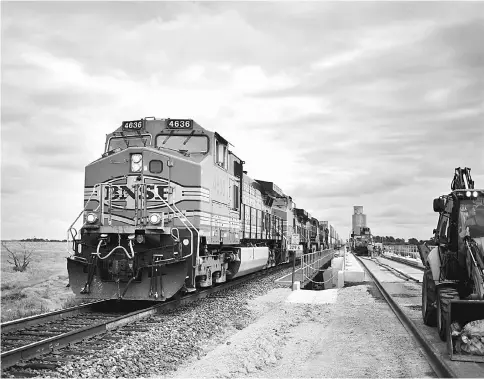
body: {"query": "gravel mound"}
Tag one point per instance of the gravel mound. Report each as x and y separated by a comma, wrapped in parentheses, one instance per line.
(358, 336)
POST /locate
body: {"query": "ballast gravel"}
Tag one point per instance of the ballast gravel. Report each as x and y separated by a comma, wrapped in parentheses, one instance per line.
(172, 337)
(252, 331)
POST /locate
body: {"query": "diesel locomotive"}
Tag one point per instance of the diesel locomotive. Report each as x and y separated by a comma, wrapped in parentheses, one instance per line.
(168, 208)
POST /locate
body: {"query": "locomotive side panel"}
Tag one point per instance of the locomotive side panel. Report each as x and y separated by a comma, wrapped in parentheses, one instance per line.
(220, 174)
(258, 220)
(235, 172)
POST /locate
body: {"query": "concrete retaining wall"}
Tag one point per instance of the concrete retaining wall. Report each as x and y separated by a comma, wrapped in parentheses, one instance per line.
(354, 273)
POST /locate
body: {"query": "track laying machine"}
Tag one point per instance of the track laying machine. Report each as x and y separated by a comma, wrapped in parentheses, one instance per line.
(453, 282)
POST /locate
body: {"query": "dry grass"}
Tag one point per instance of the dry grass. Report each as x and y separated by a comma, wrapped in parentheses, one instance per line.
(41, 288)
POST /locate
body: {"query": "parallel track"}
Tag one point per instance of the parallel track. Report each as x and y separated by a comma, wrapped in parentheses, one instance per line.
(404, 261)
(47, 345)
(399, 273)
(439, 366)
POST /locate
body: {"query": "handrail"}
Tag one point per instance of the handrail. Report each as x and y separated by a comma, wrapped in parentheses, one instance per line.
(193, 226)
(84, 209)
(110, 220)
(165, 203)
(308, 261)
(136, 204)
(145, 208)
(191, 233)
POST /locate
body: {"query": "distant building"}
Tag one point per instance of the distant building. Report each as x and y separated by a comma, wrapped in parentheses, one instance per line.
(358, 219)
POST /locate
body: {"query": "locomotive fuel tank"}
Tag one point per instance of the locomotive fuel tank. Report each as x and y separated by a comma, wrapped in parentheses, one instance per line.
(251, 259)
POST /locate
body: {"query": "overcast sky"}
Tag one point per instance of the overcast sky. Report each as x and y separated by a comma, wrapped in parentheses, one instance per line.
(339, 104)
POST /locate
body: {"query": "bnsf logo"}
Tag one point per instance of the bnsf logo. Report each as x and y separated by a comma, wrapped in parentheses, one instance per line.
(120, 193)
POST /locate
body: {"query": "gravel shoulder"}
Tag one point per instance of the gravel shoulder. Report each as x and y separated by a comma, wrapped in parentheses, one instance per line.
(355, 336)
(408, 295)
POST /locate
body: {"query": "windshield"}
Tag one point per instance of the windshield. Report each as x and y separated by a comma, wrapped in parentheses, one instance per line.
(131, 141)
(190, 143)
(471, 218)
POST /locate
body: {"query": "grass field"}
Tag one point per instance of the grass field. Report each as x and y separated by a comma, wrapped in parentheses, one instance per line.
(42, 287)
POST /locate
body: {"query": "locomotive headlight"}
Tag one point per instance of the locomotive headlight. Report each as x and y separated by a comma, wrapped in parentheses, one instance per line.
(91, 218)
(186, 242)
(136, 162)
(155, 218)
(140, 238)
(468, 193)
(474, 193)
(136, 167)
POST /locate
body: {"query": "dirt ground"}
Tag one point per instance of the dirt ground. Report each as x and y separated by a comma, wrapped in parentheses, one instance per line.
(347, 332)
(42, 287)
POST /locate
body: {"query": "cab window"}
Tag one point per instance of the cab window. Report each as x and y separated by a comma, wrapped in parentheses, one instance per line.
(444, 224)
(128, 141)
(183, 142)
(221, 155)
(443, 228)
(467, 214)
(235, 197)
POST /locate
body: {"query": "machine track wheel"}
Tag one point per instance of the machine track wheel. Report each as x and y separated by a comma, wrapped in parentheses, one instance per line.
(429, 313)
(444, 296)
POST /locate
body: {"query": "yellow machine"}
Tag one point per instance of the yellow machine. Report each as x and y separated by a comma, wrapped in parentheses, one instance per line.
(453, 283)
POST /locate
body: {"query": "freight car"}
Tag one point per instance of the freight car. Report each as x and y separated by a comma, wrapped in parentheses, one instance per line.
(168, 208)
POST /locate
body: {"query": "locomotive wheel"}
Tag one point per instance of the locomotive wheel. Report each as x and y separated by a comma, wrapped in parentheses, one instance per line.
(429, 313)
(444, 296)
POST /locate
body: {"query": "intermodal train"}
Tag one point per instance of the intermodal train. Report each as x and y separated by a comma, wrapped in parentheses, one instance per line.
(169, 209)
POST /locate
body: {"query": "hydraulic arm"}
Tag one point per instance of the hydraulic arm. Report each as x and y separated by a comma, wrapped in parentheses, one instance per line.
(476, 266)
(462, 179)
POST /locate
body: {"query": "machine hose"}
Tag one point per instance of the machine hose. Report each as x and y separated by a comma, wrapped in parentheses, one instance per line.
(98, 253)
(129, 282)
(90, 274)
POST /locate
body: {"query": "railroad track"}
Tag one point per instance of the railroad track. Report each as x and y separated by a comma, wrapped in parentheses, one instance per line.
(404, 261)
(36, 336)
(394, 270)
(440, 367)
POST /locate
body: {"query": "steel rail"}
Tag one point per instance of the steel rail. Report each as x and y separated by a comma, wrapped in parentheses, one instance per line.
(13, 325)
(440, 367)
(11, 357)
(404, 261)
(408, 277)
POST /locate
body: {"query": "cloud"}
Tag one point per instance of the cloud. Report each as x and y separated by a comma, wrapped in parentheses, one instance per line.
(462, 39)
(337, 103)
